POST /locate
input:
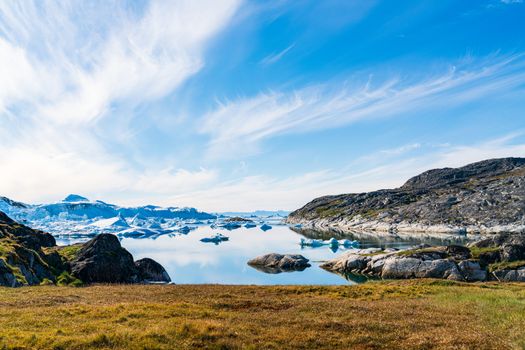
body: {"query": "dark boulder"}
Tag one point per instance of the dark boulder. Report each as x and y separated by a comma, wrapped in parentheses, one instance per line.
(103, 260)
(490, 257)
(512, 252)
(458, 252)
(151, 271)
(472, 271)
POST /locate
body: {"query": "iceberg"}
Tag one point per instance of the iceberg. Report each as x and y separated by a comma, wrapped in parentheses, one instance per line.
(76, 214)
(229, 225)
(266, 227)
(218, 238)
(250, 225)
(120, 222)
(332, 243)
(185, 229)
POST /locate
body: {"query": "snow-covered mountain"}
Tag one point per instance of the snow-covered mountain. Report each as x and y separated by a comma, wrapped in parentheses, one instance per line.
(257, 213)
(78, 215)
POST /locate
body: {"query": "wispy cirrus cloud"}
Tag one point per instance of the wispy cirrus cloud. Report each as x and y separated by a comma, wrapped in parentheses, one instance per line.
(248, 121)
(124, 55)
(275, 57)
(390, 169)
(70, 69)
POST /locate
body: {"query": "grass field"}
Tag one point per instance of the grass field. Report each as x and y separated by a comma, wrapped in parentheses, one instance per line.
(378, 315)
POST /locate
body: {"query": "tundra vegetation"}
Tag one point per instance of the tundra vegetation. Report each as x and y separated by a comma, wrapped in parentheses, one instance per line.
(408, 314)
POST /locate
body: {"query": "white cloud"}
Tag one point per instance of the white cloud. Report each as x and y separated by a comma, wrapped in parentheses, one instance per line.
(65, 65)
(100, 59)
(238, 126)
(257, 192)
(275, 57)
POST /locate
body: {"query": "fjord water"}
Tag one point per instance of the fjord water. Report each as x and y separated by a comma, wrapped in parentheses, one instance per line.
(188, 260)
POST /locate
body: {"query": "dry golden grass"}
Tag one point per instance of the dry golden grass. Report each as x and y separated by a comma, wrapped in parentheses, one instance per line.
(378, 315)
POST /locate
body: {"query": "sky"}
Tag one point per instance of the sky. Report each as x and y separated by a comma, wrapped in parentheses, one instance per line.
(232, 105)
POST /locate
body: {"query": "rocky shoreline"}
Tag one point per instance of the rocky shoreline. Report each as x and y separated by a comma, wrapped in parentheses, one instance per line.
(500, 257)
(358, 223)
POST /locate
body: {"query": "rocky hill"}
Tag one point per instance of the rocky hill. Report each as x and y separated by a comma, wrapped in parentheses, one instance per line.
(483, 197)
(31, 257)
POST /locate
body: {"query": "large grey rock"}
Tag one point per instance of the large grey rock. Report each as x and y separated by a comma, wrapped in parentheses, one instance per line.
(347, 263)
(396, 267)
(275, 263)
(472, 271)
(402, 267)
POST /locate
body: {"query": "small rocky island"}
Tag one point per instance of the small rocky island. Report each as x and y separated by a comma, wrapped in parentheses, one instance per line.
(31, 257)
(483, 197)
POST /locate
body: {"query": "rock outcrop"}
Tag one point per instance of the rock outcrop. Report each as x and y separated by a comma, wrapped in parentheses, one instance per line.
(22, 257)
(483, 197)
(277, 263)
(31, 257)
(459, 263)
(102, 259)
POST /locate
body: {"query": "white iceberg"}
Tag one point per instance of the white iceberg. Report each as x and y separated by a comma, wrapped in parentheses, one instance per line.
(332, 242)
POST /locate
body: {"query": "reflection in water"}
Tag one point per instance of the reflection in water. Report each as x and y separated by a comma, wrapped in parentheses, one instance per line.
(386, 239)
(188, 260)
(276, 270)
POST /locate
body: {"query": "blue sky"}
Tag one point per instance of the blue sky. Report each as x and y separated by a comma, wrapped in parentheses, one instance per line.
(244, 105)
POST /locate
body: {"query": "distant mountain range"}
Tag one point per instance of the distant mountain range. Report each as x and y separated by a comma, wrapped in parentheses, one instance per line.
(256, 213)
(483, 197)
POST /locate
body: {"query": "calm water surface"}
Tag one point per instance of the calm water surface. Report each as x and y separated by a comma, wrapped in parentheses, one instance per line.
(188, 260)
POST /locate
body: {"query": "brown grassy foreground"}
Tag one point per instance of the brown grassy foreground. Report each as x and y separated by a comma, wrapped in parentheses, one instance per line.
(401, 314)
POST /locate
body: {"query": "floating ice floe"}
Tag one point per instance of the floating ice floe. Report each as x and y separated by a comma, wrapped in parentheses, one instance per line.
(314, 243)
(266, 227)
(185, 229)
(218, 238)
(229, 225)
